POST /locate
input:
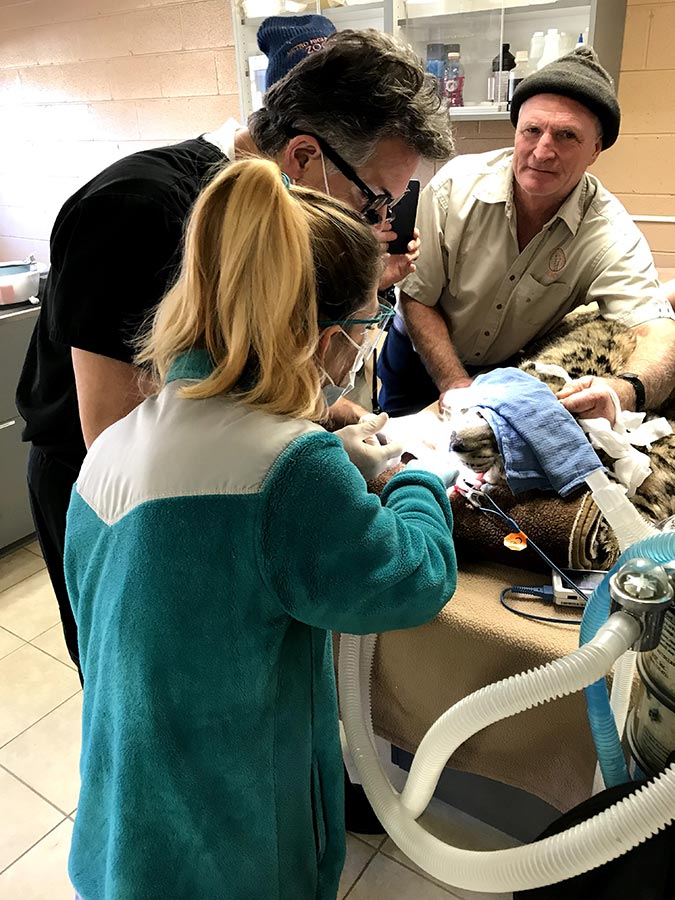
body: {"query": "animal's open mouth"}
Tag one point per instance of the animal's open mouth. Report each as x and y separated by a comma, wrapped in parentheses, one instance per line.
(477, 463)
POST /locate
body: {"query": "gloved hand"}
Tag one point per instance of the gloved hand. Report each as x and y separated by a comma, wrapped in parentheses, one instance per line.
(369, 456)
(436, 463)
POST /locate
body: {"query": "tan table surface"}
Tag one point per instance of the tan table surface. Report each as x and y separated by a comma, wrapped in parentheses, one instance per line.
(474, 641)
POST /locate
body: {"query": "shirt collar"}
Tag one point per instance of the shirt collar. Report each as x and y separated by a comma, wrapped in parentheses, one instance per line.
(497, 187)
(572, 210)
(195, 365)
(223, 137)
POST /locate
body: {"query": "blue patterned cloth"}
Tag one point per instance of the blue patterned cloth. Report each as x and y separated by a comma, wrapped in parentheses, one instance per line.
(542, 445)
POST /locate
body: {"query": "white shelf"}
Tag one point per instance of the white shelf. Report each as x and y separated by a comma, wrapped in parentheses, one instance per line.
(474, 113)
(437, 11)
(337, 14)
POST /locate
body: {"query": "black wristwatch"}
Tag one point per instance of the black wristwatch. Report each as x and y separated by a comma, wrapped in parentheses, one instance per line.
(638, 387)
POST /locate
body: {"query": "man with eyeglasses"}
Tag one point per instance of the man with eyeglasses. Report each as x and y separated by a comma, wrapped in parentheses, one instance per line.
(354, 120)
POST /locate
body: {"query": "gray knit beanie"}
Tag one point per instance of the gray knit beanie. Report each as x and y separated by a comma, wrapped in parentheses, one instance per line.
(580, 76)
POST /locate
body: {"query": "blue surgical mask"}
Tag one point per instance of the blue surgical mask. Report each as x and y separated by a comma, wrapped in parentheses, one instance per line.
(332, 393)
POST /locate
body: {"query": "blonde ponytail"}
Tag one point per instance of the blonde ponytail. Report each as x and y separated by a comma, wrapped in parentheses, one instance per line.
(247, 291)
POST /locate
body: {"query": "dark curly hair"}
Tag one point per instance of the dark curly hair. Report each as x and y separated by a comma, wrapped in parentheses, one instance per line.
(364, 86)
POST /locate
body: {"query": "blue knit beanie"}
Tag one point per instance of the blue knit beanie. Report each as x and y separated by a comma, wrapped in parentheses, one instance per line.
(287, 40)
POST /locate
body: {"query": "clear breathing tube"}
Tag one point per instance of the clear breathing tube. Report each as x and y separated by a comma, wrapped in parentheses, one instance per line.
(579, 849)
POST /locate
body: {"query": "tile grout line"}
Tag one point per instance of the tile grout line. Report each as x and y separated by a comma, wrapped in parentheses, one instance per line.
(47, 653)
(37, 553)
(367, 843)
(20, 647)
(21, 580)
(409, 866)
(28, 727)
(32, 846)
(356, 880)
(30, 640)
(41, 796)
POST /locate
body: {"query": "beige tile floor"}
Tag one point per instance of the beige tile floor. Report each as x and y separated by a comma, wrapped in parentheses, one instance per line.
(41, 704)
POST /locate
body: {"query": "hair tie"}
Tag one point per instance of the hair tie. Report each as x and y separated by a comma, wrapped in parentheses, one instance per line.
(286, 180)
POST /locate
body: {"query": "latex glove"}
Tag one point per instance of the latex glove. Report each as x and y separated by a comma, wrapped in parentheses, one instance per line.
(439, 464)
(364, 449)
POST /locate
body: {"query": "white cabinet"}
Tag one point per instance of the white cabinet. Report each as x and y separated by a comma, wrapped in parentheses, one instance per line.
(479, 27)
(16, 326)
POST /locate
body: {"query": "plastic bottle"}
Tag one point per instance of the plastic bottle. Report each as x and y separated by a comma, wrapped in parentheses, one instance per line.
(521, 71)
(436, 59)
(551, 48)
(453, 77)
(536, 48)
(498, 82)
(568, 41)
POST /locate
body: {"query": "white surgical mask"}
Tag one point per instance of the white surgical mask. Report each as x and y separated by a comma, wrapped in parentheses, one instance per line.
(331, 391)
(325, 177)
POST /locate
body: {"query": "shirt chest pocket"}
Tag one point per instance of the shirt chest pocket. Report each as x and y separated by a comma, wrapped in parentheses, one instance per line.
(540, 304)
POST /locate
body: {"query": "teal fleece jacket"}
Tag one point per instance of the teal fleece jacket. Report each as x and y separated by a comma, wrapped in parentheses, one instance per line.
(210, 550)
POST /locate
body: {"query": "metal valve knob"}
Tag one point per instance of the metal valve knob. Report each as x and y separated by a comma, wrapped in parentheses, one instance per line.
(642, 588)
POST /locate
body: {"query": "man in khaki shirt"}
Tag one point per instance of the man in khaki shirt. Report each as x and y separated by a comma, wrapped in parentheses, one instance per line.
(512, 240)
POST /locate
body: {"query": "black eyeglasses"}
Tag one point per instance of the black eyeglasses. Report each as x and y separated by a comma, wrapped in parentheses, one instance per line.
(370, 211)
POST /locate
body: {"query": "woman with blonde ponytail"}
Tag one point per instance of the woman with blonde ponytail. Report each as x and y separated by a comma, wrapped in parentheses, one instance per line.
(216, 535)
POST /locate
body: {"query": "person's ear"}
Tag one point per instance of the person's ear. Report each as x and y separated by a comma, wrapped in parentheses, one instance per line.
(298, 154)
(324, 342)
(597, 151)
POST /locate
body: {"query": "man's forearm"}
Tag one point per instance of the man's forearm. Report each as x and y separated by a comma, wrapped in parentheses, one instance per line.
(429, 333)
(653, 360)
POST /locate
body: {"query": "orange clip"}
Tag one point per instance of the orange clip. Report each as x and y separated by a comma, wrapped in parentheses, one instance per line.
(516, 541)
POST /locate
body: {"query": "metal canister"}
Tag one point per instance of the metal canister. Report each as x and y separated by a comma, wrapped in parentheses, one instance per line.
(659, 664)
(651, 729)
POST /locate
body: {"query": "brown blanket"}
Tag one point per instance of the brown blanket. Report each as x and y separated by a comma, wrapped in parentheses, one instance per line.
(571, 532)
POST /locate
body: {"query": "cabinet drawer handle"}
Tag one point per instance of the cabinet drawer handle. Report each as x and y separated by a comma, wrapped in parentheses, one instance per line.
(7, 424)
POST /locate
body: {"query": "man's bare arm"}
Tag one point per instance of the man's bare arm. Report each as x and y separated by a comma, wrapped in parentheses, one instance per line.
(653, 361)
(107, 390)
(429, 333)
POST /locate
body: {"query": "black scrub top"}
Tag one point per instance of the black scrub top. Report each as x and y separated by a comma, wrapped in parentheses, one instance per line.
(116, 247)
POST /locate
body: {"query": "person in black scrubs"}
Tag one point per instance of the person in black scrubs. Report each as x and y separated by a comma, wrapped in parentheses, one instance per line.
(117, 242)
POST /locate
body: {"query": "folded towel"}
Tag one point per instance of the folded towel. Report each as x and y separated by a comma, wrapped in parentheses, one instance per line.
(541, 444)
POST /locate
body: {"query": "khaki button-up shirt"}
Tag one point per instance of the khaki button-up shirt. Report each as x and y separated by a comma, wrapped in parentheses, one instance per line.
(497, 299)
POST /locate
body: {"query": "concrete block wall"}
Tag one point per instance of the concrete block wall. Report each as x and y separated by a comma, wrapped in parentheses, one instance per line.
(640, 168)
(85, 82)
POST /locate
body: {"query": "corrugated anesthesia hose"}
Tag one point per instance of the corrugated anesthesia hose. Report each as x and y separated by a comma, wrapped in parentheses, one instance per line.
(587, 845)
(661, 549)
